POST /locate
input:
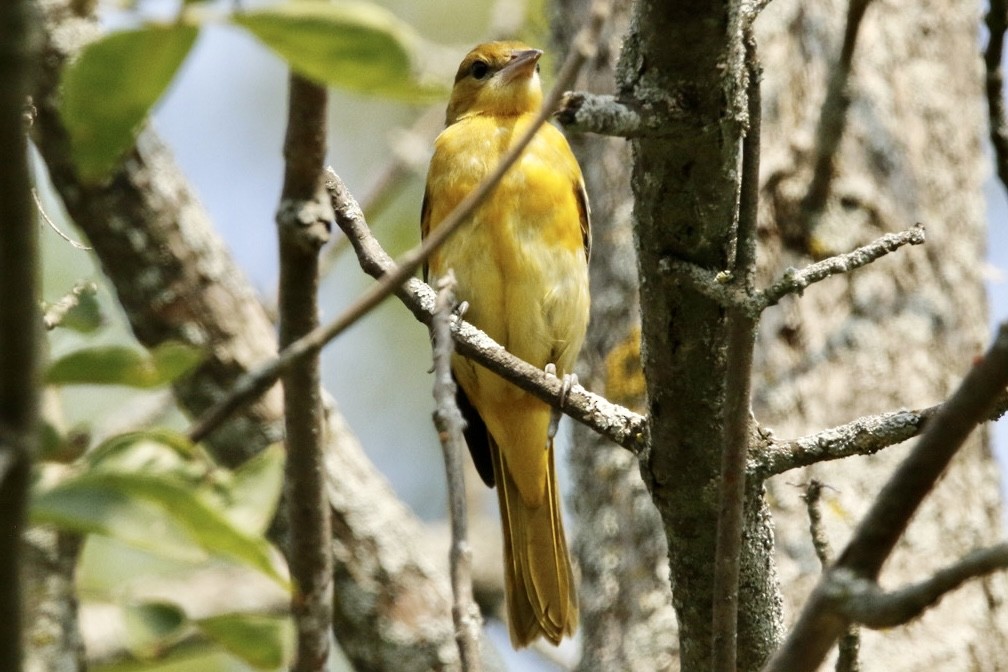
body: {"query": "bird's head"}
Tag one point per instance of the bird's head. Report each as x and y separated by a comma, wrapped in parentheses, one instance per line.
(496, 78)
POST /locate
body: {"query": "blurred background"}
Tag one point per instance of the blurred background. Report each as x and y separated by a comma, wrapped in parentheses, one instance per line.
(224, 117)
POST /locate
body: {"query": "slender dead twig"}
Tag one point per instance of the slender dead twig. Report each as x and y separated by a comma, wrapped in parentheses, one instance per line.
(821, 621)
(52, 224)
(850, 643)
(450, 426)
(795, 282)
(832, 119)
(741, 330)
(303, 224)
(719, 286)
(997, 22)
(257, 382)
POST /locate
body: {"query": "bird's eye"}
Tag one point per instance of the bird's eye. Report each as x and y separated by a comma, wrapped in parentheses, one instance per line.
(479, 69)
(537, 67)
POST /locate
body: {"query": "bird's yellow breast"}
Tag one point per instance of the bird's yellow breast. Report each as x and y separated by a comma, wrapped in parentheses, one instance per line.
(521, 264)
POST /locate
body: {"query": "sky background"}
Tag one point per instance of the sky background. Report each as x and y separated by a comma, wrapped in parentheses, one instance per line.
(224, 119)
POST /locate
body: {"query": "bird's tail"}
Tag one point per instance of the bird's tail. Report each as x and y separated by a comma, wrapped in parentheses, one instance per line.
(538, 580)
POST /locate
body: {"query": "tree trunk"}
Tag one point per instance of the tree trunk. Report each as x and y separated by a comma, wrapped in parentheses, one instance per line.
(626, 610)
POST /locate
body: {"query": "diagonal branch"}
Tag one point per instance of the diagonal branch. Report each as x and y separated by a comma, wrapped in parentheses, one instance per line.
(720, 286)
(620, 425)
(863, 601)
(820, 623)
(795, 282)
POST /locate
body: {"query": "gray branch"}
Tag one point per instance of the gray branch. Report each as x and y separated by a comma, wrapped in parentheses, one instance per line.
(863, 601)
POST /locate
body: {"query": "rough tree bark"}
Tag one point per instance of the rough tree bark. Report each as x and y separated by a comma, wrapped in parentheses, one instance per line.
(899, 333)
(627, 620)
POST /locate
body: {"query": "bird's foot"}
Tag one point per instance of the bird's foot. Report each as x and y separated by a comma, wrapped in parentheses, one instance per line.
(568, 382)
(460, 309)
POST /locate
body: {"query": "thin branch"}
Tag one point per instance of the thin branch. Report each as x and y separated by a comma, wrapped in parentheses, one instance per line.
(57, 312)
(863, 601)
(721, 288)
(52, 225)
(795, 282)
(865, 436)
(741, 338)
(820, 624)
(717, 286)
(303, 225)
(997, 22)
(604, 114)
(392, 180)
(450, 425)
(832, 119)
(615, 422)
(19, 320)
(260, 380)
(850, 644)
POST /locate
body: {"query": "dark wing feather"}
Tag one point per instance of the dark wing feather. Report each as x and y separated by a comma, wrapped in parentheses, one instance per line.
(476, 436)
(425, 226)
(584, 212)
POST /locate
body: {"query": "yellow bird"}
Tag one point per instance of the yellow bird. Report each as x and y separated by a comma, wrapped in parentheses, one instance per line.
(522, 266)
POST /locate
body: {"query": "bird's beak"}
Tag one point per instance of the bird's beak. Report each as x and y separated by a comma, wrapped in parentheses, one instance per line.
(522, 64)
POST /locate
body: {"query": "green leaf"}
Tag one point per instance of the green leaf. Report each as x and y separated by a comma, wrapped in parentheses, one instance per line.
(102, 501)
(110, 88)
(151, 627)
(121, 365)
(255, 490)
(261, 641)
(91, 505)
(351, 45)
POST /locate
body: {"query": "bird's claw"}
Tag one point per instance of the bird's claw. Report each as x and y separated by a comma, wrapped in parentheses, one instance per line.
(460, 309)
(567, 383)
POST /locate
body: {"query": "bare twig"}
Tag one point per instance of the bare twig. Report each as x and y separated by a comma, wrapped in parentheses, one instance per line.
(820, 622)
(56, 312)
(303, 223)
(741, 330)
(450, 425)
(863, 601)
(850, 644)
(832, 119)
(19, 319)
(583, 112)
(865, 436)
(794, 282)
(997, 22)
(260, 380)
(615, 422)
(719, 286)
(392, 179)
(52, 225)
